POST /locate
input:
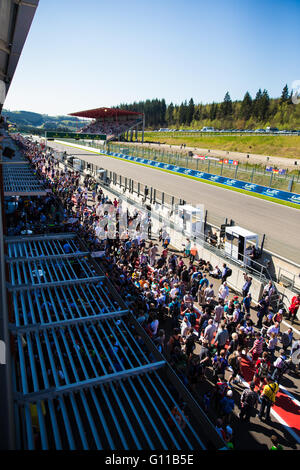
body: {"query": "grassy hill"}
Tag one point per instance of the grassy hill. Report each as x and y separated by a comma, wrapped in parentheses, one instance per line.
(26, 121)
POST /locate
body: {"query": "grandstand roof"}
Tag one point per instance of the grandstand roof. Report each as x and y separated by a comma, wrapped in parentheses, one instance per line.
(15, 21)
(104, 112)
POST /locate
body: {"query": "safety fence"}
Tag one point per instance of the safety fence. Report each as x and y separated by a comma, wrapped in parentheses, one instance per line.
(249, 173)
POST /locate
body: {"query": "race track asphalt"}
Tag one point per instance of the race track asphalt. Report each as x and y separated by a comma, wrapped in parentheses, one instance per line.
(280, 224)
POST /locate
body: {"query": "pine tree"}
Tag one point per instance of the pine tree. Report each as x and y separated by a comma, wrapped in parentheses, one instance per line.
(264, 108)
(284, 95)
(226, 106)
(246, 107)
(213, 111)
(257, 104)
(169, 114)
(190, 111)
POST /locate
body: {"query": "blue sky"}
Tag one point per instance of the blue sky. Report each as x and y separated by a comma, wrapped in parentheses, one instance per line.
(82, 54)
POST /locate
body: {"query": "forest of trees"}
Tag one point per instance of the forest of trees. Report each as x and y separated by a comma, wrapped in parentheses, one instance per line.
(250, 113)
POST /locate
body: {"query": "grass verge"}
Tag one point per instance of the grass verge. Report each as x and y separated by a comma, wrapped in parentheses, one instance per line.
(276, 146)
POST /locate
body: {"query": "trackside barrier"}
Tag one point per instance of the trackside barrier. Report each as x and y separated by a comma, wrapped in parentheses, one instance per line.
(233, 183)
(229, 182)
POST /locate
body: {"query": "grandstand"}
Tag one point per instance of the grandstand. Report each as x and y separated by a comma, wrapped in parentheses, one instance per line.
(113, 122)
(84, 373)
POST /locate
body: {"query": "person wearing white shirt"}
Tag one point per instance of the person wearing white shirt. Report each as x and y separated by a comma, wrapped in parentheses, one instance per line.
(273, 329)
(185, 326)
(223, 291)
(174, 291)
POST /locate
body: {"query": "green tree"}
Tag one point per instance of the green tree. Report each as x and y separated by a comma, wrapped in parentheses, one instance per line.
(284, 95)
(190, 111)
(246, 107)
(257, 105)
(169, 114)
(226, 106)
(264, 107)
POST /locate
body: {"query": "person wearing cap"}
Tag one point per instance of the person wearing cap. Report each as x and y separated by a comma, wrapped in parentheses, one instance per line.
(280, 366)
(249, 400)
(227, 406)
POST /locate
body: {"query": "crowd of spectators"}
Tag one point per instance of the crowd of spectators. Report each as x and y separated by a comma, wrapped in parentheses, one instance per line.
(110, 128)
(203, 332)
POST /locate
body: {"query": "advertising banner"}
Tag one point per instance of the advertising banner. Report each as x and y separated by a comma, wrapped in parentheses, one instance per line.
(233, 183)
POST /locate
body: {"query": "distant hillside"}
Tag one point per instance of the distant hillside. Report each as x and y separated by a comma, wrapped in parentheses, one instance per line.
(26, 121)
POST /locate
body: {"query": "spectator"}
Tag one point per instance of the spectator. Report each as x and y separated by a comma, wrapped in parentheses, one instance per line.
(221, 337)
(223, 291)
(225, 273)
(204, 356)
(263, 308)
(246, 303)
(220, 364)
(247, 285)
(294, 307)
(262, 368)
(257, 347)
(268, 398)
(234, 360)
(190, 343)
(287, 339)
(280, 367)
(210, 331)
(271, 345)
(249, 401)
(227, 406)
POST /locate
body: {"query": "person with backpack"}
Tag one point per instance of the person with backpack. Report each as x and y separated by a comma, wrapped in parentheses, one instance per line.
(249, 401)
(226, 272)
(268, 398)
(280, 367)
(175, 340)
(220, 391)
(220, 364)
(234, 360)
(227, 406)
(190, 342)
(262, 367)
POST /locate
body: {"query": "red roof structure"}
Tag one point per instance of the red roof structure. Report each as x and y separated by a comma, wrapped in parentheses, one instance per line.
(104, 113)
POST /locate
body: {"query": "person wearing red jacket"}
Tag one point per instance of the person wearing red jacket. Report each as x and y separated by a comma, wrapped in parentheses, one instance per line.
(293, 308)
